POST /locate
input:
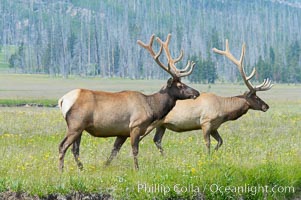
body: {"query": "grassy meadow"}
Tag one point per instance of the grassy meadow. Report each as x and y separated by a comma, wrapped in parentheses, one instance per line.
(260, 157)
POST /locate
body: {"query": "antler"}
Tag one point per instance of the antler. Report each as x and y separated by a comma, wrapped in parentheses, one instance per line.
(171, 68)
(266, 85)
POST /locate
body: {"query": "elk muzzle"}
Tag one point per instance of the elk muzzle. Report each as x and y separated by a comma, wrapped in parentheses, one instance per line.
(191, 93)
(195, 95)
(265, 107)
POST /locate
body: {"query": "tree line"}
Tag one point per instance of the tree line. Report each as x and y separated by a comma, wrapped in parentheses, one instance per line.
(98, 38)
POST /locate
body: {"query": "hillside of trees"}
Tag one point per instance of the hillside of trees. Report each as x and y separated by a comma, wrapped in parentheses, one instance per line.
(99, 38)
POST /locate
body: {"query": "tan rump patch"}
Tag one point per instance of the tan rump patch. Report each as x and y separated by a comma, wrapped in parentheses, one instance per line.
(67, 101)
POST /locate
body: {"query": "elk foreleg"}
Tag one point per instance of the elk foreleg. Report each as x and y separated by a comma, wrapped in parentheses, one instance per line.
(206, 135)
(135, 135)
(117, 146)
(75, 151)
(158, 138)
(218, 138)
(65, 144)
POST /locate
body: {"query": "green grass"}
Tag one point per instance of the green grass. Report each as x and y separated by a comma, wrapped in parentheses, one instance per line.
(260, 150)
(30, 102)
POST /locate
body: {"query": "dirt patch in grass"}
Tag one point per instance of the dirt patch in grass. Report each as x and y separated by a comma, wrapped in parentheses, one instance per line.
(8, 195)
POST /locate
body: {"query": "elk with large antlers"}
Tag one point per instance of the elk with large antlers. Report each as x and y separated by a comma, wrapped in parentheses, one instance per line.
(122, 114)
(209, 111)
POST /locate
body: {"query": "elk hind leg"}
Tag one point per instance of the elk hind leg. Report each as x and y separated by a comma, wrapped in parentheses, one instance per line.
(75, 151)
(117, 146)
(65, 144)
(218, 138)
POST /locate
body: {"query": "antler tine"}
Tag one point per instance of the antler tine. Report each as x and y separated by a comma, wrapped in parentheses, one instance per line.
(241, 69)
(265, 81)
(184, 72)
(229, 55)
(252, 74)
(187, 66)
(149, 48)
(165, 46)
(171, 62)
(238, 63)
(170, 68)
(149, 45)
(180, 57)
(266, 85)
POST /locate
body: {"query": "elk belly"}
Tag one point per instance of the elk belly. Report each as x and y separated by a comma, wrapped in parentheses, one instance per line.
(183, 125)
(111, 131)
(109, 125)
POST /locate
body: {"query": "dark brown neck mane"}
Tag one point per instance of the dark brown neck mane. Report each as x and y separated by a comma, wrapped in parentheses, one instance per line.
(234, 107)
(161, 103)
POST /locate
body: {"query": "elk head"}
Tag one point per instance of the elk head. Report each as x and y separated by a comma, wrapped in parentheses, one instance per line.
(174, 87)
(253, 100)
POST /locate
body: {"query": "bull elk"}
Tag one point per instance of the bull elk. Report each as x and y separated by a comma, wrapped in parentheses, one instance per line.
(122, 114)
(209, 111)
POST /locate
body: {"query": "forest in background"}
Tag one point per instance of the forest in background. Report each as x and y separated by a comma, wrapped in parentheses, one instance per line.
(99, 38)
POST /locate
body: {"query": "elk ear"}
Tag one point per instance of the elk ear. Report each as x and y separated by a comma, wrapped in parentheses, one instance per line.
(169, 82)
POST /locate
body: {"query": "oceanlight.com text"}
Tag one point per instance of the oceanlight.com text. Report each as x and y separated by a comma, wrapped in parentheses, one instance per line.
(213, 188)
(251, 189)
